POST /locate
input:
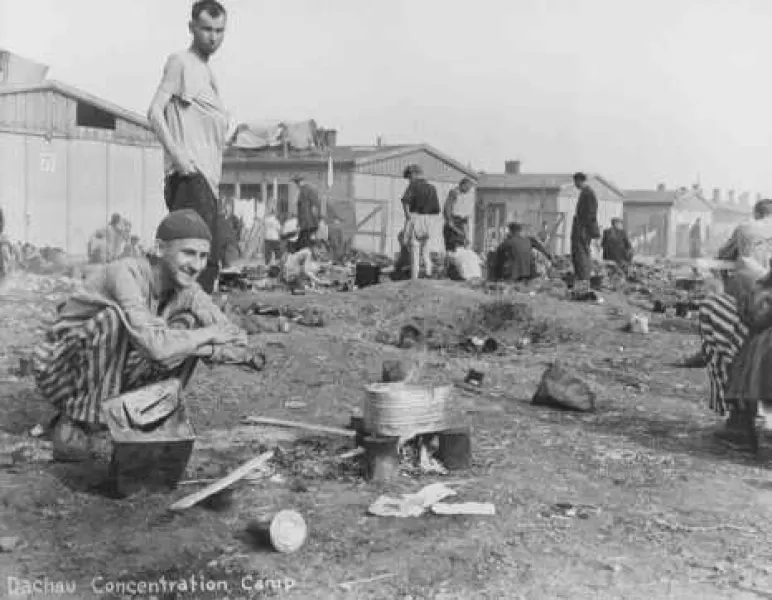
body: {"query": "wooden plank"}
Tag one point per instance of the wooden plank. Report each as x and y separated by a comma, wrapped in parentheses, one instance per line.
(219, 485)
(298, 425)
(369, 216)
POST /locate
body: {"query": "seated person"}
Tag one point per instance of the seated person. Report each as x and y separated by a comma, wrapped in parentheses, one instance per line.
(616, 245)
(137, 321)
(513, 259)
(301, 268)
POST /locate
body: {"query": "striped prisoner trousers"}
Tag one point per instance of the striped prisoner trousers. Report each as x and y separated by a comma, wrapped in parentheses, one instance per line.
(722, 334)
(83, 363)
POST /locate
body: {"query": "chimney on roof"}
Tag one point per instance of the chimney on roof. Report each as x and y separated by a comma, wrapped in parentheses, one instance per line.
(716, 195)
(512, 167)
(330, 138)
(379, 141)
(660, 187)
(730, 198)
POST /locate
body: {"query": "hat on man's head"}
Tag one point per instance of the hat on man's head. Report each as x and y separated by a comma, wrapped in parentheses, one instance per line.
(411, 170)
(297, 177)
(185, 224)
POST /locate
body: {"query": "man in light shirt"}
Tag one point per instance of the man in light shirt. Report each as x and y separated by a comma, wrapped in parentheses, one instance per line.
(272, 238)
(193, 126)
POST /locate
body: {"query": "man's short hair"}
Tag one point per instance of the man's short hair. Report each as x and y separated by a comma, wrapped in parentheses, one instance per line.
(466, 181)
(411, 170)
(297, 177)
(763, 208)
(212, 7)
(580, 177)
(515, 228)
(616, 220)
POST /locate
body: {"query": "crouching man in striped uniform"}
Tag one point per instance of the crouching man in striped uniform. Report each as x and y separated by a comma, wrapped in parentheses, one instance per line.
(722, 329)
(135, 322)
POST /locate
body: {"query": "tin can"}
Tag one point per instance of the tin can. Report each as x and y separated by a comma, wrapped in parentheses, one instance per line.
(283, 325)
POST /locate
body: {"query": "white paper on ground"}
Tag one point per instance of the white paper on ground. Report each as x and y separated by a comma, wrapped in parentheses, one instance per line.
(464, 508)
(410, 505)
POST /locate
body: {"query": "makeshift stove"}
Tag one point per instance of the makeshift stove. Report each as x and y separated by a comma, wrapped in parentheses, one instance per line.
(410, 427)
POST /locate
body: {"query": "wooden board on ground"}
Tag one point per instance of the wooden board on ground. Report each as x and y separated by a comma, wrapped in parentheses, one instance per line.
(298, 425)
(219, 485)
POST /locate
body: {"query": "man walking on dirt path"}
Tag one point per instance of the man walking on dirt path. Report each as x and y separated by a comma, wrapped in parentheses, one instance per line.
(194, 127)
(585, 229)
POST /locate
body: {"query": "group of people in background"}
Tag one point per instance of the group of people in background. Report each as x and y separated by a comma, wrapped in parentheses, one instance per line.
(113, 241)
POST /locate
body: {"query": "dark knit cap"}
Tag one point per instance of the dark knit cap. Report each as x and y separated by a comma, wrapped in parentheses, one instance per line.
(185, 224)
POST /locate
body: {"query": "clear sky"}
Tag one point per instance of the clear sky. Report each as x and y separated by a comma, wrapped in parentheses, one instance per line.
(640, 91)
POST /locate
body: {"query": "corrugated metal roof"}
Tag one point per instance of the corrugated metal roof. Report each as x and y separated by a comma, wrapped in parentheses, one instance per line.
(340, 154)
(650, 196)
(538, 181)
(355, 155)
(525, 181)
(77, 94)
(682, 200)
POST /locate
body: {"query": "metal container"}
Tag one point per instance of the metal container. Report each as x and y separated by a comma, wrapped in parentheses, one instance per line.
(283, 325)
(148, 460)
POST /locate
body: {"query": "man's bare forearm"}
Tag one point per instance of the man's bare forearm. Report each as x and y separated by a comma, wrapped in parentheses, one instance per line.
(161, 130)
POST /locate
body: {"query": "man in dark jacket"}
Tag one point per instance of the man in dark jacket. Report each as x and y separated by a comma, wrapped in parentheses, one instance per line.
(421, 205)
(584, 230)
(616, 245)
(309, 212)
(514, 256)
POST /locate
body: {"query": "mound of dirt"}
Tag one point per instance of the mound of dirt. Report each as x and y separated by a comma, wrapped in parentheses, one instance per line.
(508, 321)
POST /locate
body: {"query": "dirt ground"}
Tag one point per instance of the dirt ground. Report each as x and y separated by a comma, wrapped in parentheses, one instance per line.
(673, 511)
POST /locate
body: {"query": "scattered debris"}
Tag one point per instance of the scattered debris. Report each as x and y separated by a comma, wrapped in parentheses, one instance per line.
(411, 505)
(295, 404)
(474, 378)
(285, 532)
(566, 509)
(349, 585)
(563, 389)
(9, 543)
(638, 324)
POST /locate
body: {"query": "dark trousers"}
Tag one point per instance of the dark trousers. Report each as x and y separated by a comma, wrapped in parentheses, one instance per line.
(453, 240)
(271, 248)
(194, 191)
(580, 253)
(304, 238)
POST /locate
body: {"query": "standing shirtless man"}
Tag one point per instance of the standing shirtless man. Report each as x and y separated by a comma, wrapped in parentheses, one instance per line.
(194, 127)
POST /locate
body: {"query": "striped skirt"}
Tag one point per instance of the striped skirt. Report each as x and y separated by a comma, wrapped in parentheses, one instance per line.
(722, 334)
(83, 363)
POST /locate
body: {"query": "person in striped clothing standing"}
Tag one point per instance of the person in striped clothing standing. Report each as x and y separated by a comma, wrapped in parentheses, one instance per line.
(137, 321)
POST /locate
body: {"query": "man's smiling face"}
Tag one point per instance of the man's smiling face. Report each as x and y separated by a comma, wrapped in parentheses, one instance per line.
(184, 260)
